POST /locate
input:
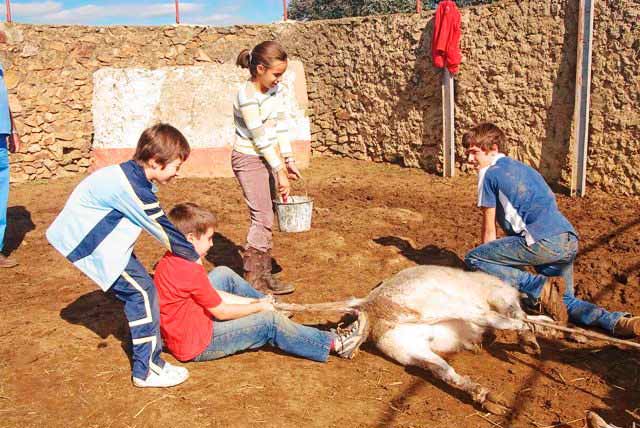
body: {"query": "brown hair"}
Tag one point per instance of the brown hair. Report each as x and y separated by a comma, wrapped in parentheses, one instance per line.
(266, 53)
(485, 136)
(192, 218)
(163, 143)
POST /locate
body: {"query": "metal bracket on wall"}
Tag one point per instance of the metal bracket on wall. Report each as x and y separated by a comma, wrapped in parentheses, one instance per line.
(448, 125)
(583, 97)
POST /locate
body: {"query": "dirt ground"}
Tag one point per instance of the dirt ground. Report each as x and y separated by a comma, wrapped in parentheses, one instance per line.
(63, 343)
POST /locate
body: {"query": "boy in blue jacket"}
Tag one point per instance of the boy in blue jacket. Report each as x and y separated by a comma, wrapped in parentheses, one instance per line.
(516, 197)
(99, 225)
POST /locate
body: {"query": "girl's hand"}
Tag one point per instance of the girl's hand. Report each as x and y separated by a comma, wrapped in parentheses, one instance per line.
(292, 170)
(284, 188)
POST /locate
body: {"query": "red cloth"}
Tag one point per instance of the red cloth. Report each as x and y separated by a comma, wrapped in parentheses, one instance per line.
(445, 44)
(185, 295)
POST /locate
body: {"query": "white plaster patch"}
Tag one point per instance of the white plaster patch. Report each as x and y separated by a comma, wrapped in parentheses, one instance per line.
(198, 100)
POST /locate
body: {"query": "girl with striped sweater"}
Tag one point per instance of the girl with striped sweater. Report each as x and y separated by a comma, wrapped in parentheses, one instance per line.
(262, 156)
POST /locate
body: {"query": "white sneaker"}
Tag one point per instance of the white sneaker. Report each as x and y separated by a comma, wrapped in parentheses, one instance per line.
(170, 376)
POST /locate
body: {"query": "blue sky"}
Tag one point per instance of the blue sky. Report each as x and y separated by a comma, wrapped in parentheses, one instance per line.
(145, 12)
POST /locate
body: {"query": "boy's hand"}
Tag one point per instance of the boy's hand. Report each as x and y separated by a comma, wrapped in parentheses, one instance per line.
(284, 188)
(268, 298)
(266, 306)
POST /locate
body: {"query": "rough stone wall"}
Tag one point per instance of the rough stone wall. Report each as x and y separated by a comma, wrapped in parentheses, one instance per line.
(614, 151)
(372, 90)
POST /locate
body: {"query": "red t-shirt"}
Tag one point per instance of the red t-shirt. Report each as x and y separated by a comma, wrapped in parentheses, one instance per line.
(185, 295)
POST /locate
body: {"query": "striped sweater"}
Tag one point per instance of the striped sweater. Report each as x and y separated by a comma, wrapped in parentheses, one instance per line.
(102, 219)
(261, 124)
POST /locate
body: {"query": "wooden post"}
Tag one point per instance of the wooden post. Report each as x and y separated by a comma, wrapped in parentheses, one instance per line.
(285, 15)
(418, 6)
(177, 12)
(448, 125)
(582, 97)
(8, 10)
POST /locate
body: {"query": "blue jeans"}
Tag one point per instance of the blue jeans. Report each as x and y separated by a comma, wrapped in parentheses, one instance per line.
(4, 186)
(257, 330)
(552, 256)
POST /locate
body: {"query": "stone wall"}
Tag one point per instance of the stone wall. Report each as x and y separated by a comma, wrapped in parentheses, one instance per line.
(373, 92)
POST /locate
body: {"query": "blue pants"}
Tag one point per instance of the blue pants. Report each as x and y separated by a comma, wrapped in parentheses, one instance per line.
(136, 289)
(553, 256)
(4, 186)
(254, 331)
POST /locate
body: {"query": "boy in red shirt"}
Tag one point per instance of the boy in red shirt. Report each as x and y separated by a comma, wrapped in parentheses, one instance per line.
(209, 317)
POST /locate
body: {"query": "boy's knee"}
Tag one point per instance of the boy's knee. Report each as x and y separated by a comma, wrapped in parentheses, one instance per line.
(222, 271)
(268, 318)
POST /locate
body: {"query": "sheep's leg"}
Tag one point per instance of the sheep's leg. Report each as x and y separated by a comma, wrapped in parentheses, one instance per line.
(498, 321)
(409, 345)
(526, 337)
(509, 306)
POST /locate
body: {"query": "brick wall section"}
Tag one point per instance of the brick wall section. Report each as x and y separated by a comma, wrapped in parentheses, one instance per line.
(373, 92)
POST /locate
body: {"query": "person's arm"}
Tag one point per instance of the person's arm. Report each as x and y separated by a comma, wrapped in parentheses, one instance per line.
(140, 205)
(216, 302)
(250, 111)
(230, 311)
(488, 224)
(14, 138)
(235, 299)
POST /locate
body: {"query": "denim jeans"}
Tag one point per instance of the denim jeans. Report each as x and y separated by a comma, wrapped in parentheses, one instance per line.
(552, 256)
(257, 330)
(4, 186)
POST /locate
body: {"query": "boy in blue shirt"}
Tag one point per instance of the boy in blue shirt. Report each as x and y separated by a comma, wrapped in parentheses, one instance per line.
(516, 197)
(99, 225)
(9, 142)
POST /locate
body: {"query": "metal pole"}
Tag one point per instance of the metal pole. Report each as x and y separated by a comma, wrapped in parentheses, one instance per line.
(418, 6)
(583, 96)
(285, 16)
(177, 12)
(8, 7)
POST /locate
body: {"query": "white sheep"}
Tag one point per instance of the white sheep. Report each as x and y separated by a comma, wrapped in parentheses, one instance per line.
(424, 312)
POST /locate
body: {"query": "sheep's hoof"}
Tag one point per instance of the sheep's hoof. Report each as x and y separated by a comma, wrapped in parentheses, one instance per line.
(495, 405)
(529, 343)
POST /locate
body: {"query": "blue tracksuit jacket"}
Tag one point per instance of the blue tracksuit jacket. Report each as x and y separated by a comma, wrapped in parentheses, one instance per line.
(102, 219)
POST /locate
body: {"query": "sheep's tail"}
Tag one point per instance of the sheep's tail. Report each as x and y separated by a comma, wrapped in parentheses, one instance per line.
(344, 306)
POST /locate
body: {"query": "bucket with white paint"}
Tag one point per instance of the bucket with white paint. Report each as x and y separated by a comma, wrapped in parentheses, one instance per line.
(294, 215)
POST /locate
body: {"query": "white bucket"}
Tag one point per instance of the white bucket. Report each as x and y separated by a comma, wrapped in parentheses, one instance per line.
(295, 214)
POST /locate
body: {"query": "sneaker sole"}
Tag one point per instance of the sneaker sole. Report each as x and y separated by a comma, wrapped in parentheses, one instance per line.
(138, 383)
(363, 332)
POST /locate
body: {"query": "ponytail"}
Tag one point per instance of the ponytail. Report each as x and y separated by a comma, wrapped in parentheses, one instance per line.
(244, 59)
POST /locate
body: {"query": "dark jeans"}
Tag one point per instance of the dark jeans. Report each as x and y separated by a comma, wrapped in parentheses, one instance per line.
(553, 256)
